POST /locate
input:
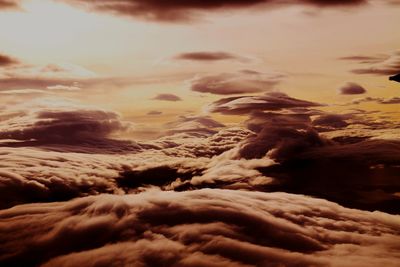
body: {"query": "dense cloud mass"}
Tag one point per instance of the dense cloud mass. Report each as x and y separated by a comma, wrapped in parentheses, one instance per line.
(198, 228)
(80, 127)
(176, 10)
(202, 193)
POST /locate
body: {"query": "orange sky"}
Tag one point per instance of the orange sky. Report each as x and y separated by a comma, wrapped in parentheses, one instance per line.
(136, 59)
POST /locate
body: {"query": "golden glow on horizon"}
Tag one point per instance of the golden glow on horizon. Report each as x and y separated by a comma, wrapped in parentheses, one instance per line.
(303, 46)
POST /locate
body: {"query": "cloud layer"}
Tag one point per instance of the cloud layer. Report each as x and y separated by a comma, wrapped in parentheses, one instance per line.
(199, 228)
(188, 10)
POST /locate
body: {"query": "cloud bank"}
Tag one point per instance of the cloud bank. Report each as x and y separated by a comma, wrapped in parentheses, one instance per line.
(198, 228)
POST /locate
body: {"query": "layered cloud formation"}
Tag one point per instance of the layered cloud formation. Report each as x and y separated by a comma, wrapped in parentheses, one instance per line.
(198, 228)
(188, 10)
(145, 203)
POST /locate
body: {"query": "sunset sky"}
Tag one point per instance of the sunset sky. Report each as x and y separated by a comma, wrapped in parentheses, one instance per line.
(199, 133)
(123, 60)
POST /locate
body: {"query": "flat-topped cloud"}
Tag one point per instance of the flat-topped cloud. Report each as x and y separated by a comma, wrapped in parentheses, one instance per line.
(167, 97)
(243, 105)
(236, 83)
(208, 56)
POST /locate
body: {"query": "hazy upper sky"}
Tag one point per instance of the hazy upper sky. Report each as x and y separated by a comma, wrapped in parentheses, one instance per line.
(170, 59)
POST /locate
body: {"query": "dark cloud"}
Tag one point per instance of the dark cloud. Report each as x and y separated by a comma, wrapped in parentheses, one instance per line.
(339, 169)
(243, 105)
(395, 78)
(64, 128)
(352, 89)
(331, 121)
(208, 56)
(236, 83)
(198, 228)
(386, 66)
(6, 60)
(167, 97)
(177, 10)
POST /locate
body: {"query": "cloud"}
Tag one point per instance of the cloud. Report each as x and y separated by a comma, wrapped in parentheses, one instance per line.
(387, 66)
(154, 113)
(364, 59)
(334, 121)
(194, 125)
(197, 228)
(167, 97)
(309, 162)
(271, 101)
(395, 78)
(9, 4)
(65, 88)
(236, 83)
(51, 77)
(173, 11)
(208, 56)
(379, 100)
(6, 60)
(352, 89)
(62, 125)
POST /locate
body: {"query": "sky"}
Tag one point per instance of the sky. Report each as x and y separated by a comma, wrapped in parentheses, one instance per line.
(199, 133)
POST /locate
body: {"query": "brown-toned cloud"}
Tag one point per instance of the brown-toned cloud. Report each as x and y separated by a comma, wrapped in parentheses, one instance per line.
(352, 89)
(268, 102)
(9, 4)
(193, 125)
(177, 10)
(208, 56)
(198, 228)
(236, 83)
(379, 100)
(364, 59)
(6, 60)
(154, 113)
(167, 97)
(386, 66)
